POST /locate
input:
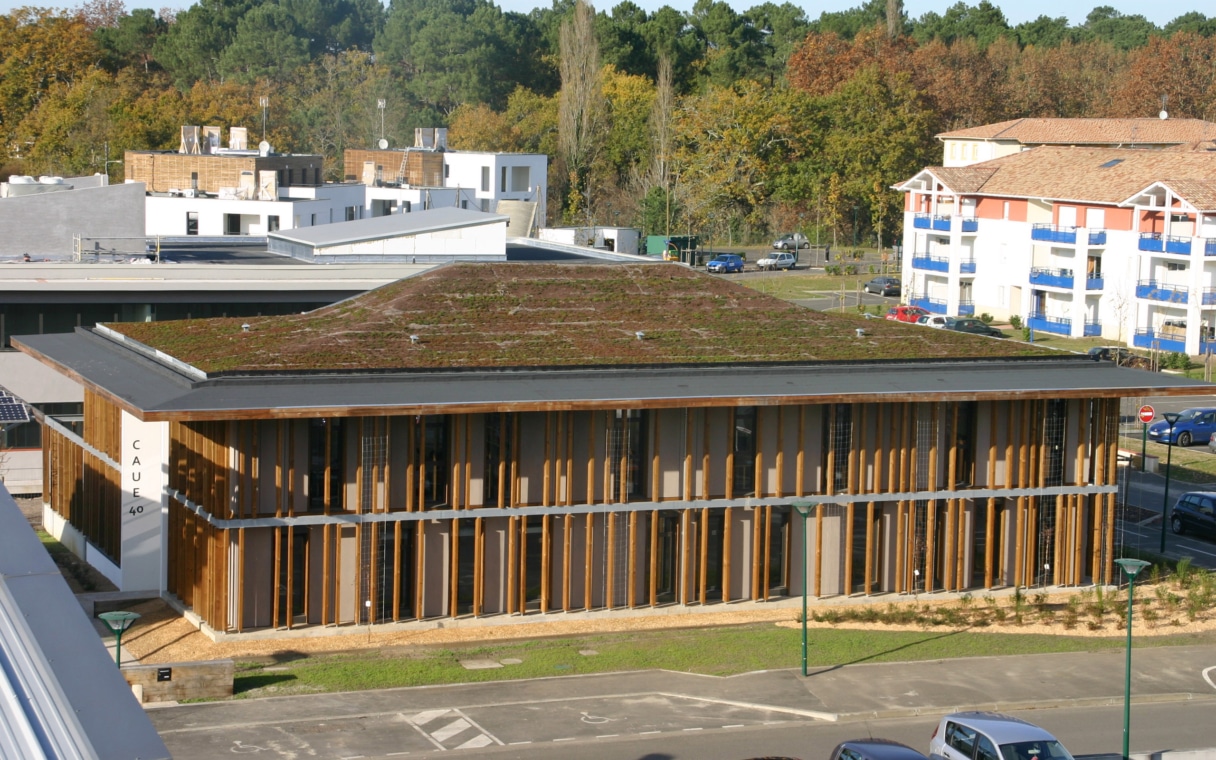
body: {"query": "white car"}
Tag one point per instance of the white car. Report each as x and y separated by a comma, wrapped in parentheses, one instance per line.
(940, 321)
(778, 261)
(992, 736)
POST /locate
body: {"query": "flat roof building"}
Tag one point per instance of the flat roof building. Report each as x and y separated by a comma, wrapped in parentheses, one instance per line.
(498, 439)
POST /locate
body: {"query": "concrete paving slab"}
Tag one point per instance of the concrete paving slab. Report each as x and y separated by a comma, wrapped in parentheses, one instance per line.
(480, 664)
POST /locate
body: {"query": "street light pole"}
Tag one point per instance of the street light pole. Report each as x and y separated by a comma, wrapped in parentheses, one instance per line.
(118, 622)
(804, 509)
(1172, 418)
(1130, 568)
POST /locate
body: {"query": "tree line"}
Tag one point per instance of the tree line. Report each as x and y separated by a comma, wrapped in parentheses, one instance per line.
(731, 124)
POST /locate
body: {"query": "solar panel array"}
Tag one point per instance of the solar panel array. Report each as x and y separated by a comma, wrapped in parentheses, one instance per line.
(12, 410)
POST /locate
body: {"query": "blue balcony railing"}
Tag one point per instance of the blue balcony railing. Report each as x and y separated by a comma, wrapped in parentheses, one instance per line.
(1170, 341)
(1158, 243)
(1097, 237)
(1044, 323)
(1209, 247)
(943, 223)
(1052, 278)
(1093, 329)
(966, 308)
(1156, 291)
(967, 266)
(1051, 233)
(931, 305)
(931, 263)
(1209, 297)
(1094, 283)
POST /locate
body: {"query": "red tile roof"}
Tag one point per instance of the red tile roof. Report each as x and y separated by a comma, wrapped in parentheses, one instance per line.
(1113, 132)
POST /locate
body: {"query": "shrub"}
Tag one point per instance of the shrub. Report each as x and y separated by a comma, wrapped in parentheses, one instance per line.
(1183, 570)
(986, 318)
(1026, 334)
(1177, 360)
(1015, 322)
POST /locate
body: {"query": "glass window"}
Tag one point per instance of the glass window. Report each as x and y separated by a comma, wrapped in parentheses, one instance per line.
(985, 750)
(1035, 750)
(961, 739)
(745, 451)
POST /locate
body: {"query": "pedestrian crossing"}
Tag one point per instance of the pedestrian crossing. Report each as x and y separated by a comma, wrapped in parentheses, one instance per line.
(451, 729)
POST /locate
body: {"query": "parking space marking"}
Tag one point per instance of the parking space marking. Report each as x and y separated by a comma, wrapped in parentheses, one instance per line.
(453, 731)
(1207, 676)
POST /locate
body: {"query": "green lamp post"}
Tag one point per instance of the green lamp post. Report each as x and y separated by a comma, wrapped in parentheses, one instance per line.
(1131, 567)
(118, 622)
(804, 509)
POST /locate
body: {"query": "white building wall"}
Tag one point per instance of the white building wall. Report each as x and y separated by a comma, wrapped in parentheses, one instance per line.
(474, 241)
(526, 177)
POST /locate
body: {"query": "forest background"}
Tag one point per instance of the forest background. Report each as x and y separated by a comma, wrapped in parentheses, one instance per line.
(733, 125)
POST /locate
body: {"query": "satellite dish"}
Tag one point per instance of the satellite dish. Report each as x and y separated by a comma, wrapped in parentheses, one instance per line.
(1163, 115)
(382, 143)
(264, 148)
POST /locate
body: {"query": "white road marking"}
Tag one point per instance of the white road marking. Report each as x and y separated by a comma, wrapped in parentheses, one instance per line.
(396, 754)
(606, 736)
(423, 718)
(649, 732)
(481, 740)
(734, 725)
(567, 739)
(1207, 676)
(693, 729)
(512, 744)
(451, 729)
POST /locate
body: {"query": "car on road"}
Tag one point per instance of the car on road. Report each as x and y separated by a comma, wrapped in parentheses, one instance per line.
(992, 736)
(906, 313)
(939, 321)
(975, 327)
(1193, 425)
(725, 263)
(883, 286)
(778, 260)
(875, 749)
(792, 241)
(1195, 512)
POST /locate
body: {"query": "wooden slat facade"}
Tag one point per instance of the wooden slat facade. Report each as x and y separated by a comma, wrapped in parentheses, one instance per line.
(281, 523)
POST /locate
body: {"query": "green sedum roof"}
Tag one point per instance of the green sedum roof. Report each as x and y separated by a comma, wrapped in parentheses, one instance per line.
(551, 315)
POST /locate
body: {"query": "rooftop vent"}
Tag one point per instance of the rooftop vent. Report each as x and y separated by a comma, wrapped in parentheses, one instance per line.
(245, 327)
(1110, 163)
(414, 339)
(861, 332)
(641, 335)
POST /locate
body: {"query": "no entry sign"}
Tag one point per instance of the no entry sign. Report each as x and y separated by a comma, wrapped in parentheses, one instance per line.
(1146, 414)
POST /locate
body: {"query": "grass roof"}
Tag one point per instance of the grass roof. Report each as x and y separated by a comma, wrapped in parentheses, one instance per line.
(524, 314)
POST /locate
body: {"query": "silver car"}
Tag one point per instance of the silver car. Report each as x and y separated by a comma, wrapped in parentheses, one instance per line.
(992, 736)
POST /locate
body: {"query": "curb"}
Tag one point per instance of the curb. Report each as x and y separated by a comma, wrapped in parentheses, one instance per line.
(1038, 704)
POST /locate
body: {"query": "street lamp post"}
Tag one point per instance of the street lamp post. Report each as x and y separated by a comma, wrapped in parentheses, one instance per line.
(1130, 568)
(1172, 418)
(804, 509)
(118, 622)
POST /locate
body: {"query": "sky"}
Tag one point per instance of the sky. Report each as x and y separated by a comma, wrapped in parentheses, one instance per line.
(1160, 12)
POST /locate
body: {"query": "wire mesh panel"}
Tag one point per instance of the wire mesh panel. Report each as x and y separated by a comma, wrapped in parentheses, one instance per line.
(1055, 420)
(374, 446)
(926, 440)
(840, 441)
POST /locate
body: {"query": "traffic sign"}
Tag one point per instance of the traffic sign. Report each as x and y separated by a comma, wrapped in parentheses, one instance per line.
(1146, 414)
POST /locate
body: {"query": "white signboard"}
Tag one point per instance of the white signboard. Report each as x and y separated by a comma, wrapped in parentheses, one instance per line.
(144, 505)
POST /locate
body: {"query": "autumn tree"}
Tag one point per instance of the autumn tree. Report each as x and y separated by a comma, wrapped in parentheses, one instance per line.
(580, 105)
(1181, 69)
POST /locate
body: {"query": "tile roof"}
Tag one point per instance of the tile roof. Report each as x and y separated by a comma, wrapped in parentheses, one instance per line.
(1099, 175)
(964, 179)
(1091, 131)
(1199, 193)
(549, 315)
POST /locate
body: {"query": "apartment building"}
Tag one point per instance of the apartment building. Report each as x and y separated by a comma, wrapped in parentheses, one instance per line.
(1078, 241)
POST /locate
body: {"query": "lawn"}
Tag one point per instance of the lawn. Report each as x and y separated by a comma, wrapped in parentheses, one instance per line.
(1192, 464)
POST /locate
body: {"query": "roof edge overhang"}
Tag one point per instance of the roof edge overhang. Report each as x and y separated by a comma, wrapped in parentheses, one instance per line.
(495, 219)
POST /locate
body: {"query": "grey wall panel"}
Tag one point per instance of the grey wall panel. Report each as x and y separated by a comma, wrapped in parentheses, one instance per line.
(45, 224)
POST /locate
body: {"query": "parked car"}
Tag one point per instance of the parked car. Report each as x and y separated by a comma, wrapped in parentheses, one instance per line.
(992, 736)
(940, 321)
(975, 327)
(1193, 425)
(1195, 512)
(1109, 353)
(883, 286)
(875, 749)
(779, 260)
(725, 263)
(792, 241)
(906, 313)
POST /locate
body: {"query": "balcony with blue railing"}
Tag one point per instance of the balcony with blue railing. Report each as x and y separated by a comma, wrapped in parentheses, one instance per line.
(966, 308)
(967, 266)
(1158, 291)
(1051, 233)
(1044, 323)
(1209, 247)
(1093, 330)
(1209, 297)
(1097, 237)
(943, 223)
(930, 263)
(1158, 243)
(1052, 278)
(1162, 341)
(1094, 282)
(931, 305)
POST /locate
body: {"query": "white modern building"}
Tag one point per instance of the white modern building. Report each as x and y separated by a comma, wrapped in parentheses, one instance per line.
(432, 236)
(1118, 243)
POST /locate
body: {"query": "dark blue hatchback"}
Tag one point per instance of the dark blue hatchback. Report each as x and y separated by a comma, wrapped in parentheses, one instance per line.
(875, 749)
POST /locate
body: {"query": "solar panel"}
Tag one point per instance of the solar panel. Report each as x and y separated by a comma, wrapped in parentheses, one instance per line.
(13, 411)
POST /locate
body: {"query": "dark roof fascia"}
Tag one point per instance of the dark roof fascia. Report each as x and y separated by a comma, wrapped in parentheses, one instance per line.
(154, 392)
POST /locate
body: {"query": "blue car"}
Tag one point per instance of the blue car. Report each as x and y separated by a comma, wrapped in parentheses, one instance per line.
(725, 263)
(1193, 426)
